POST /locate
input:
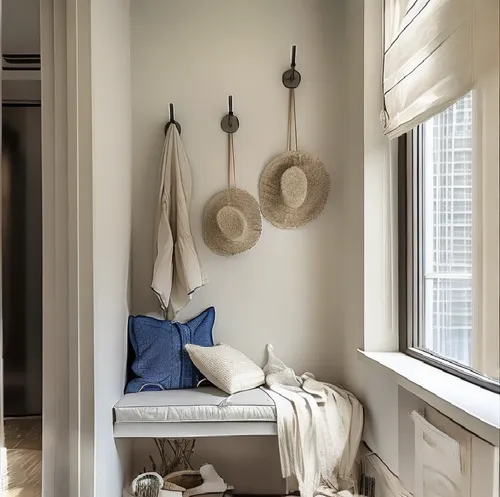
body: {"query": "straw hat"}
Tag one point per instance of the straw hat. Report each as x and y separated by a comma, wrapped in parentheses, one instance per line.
(293, 189)
(294, 186)
(232, 222)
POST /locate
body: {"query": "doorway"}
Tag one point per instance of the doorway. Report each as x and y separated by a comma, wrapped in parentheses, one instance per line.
(21, 207)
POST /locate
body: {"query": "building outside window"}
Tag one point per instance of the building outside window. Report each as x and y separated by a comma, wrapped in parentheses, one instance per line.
(447, 230)
(442, 213)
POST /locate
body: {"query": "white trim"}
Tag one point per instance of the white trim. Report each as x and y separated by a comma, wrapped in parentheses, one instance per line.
(487, 200)
(80, 236)
(68, 414)
(473, 407)
(1, 276)
(196, 430)
(379, 224)
(55, 478)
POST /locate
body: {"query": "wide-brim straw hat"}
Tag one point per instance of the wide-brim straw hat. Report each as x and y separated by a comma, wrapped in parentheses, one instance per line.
(293, 189)
(232, 222)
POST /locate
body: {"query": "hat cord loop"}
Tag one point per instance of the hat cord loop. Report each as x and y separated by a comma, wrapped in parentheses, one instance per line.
(292, 141)
(231, 162)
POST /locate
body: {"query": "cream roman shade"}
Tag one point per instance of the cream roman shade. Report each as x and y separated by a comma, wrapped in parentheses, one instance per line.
(428, 59)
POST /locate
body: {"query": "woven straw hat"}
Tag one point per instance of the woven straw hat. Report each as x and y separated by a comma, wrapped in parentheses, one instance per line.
(293, 189)
(294, 186)
(231, 222)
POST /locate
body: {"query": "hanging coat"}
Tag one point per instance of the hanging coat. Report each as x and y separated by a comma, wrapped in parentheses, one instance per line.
(177, 271)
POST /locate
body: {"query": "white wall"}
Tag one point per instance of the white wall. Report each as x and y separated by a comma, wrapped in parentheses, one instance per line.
(287, 289)
(111, 146)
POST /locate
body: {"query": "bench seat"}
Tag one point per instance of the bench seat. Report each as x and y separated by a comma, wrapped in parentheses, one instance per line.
(194, 413)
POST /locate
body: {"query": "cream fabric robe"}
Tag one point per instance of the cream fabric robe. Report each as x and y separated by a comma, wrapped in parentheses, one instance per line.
(177, 271)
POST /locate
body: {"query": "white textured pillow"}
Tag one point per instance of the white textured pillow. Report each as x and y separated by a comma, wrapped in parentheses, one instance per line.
(225, 367)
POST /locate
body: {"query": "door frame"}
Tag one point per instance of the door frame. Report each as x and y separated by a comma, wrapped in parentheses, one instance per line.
(68, 379)
(2, 434)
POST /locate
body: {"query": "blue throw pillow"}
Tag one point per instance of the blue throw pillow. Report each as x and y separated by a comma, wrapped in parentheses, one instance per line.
(161, 361)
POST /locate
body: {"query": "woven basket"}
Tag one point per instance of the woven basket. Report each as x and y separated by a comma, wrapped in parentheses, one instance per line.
(184, 479)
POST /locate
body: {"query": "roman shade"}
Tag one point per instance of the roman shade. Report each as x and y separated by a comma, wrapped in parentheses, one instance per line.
(428, 59)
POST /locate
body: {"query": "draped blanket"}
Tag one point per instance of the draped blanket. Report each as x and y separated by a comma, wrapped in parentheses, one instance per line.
(319, 430)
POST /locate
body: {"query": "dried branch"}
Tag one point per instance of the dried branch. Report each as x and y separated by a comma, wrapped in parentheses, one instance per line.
(180, 452)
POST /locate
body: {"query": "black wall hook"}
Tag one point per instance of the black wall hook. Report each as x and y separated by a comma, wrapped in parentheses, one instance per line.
(172, 120)
(291, 77)
(230, 104)
(230, 123)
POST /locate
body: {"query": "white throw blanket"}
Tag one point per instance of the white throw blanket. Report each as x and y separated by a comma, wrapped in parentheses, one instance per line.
(319, 430)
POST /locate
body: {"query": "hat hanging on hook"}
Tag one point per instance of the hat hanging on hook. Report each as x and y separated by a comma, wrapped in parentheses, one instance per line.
(294, 186)
(172, 120)
(232, 222)
(230, 123)
(291, 77)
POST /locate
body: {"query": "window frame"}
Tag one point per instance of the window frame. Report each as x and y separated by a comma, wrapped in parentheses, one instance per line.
(410, 265)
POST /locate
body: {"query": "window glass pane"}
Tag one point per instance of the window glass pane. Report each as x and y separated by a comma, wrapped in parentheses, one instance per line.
(447, 234)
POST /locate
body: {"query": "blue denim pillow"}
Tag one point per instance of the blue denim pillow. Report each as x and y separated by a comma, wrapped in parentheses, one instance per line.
(161, 361)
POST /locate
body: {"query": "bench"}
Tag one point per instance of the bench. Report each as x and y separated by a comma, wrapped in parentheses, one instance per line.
(195, 413)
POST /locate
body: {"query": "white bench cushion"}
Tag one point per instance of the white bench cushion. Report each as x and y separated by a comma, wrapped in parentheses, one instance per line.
(204, 404)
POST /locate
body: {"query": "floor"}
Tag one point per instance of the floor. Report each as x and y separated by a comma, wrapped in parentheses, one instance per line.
(21, 460)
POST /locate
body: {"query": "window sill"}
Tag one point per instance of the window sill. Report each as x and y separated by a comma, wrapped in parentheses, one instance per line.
(473, 407)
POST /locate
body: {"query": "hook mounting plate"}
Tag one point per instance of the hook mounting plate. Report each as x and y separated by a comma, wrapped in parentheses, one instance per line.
(230, 123)
(291, 78)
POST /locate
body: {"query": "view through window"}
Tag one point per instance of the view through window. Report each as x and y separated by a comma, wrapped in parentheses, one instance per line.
(447, 234)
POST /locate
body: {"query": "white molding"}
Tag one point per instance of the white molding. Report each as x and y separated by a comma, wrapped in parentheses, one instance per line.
(206, 429)
(486, 197)
(68, 383)
(380, 235)
(55, 478)
(81, 332)
(1, 279)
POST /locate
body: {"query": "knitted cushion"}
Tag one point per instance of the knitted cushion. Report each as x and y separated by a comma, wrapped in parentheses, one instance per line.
(161, 361)
(227, 368)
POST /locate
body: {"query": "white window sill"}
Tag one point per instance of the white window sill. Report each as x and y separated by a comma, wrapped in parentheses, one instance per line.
(473, 407)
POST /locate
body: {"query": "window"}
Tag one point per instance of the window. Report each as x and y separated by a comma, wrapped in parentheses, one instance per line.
(437, 244)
